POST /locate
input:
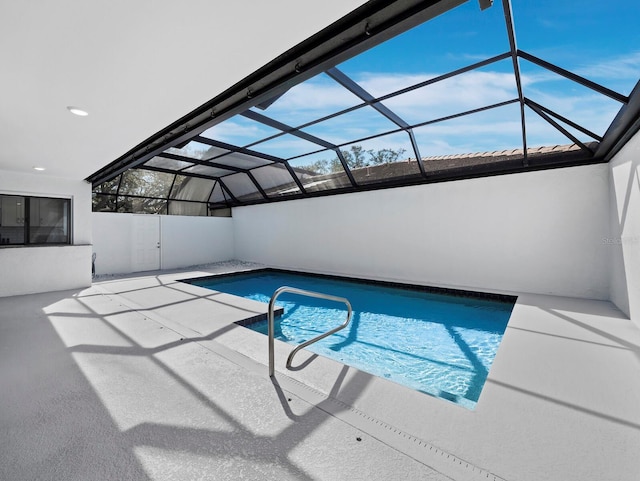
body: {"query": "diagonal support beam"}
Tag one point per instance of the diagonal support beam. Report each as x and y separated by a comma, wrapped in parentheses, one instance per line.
(369, 99)
(174, 172)
(228, 191)
(235, 149)
(513, 48)
(206, 163)
(257, 184)
(559, 127)
(567, 121)
(453, 73)
(243, 150)
(361, 93)
(263, 119)
(575, 78)
(302, 135)
(624, 126)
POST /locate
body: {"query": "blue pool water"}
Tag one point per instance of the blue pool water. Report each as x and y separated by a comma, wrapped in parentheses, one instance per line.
(439, 344)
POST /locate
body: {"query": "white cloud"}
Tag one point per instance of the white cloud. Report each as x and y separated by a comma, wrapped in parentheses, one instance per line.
(552, 23)
(469, 90)
(467, 135)
(617, 73)
(454, 95)
(286, 146)
(530, 79)
(495, 129)
(584, 106)
(315, 96)
(623, 67)
(399, 141)
(238, 133)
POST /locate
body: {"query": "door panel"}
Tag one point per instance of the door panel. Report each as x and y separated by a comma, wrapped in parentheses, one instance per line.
(146, 243)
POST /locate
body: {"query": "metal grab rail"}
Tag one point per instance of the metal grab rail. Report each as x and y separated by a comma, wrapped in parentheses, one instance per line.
(301, 292)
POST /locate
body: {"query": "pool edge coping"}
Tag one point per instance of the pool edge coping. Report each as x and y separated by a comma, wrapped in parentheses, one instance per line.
(506, 298)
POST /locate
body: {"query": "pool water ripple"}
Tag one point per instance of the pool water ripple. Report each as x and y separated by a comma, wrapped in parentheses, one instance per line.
(438, 344)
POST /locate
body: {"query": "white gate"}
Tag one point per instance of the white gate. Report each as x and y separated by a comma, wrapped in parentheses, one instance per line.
(146, 243)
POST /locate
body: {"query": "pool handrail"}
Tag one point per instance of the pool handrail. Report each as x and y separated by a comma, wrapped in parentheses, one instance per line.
(302, 292)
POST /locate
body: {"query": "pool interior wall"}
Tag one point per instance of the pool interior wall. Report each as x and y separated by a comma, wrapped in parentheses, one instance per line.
(399, 285)
(437, 341)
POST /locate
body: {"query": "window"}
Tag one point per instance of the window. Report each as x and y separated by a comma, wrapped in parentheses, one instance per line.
(148, 191)
(34, 220)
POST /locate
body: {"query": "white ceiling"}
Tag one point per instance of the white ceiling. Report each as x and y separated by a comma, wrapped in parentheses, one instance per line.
(134, 65)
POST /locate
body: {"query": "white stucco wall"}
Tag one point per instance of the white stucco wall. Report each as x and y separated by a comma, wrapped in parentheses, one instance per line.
(188, 241)
(27, 270)
(624, 241)
(31, 270)
(112, 235)
(184, 240)
(539, 232)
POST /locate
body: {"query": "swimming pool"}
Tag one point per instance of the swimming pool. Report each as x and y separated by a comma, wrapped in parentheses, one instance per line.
(437, 343)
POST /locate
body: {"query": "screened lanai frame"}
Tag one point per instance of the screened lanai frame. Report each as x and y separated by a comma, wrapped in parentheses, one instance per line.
(227, 174)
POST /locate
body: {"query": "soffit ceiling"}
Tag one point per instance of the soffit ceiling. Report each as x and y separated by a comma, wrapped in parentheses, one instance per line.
(134, 66)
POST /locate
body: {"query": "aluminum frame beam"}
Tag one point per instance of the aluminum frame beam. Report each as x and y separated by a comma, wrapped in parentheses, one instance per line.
(369, 99)
(513, 49)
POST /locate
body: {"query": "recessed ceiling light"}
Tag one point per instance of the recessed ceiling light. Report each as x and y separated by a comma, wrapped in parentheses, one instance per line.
(38, 168)
(77, 111)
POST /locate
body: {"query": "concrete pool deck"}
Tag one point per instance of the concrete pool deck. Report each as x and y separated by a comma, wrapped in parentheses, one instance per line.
(144, 377)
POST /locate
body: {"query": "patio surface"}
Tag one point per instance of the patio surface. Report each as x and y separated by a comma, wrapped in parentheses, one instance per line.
(147, 378)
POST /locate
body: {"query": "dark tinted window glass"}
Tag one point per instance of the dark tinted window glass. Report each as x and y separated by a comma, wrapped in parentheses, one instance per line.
(103, 203)
(142, 205)
(242, 187)
(321, 171)
(192, 188)
(146, 183)
(34, 220)
(275, 180)
(187, 208)
(48, 221)
(12, 220)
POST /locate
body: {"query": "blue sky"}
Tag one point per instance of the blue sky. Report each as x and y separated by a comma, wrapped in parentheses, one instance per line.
(595, 39)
